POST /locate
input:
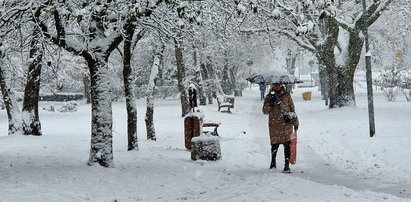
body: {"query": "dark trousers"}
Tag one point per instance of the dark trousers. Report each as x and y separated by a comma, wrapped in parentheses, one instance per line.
(274, 148)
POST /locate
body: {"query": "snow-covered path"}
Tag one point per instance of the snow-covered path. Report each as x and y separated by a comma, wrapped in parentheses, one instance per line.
(315, 169)
(310, 165)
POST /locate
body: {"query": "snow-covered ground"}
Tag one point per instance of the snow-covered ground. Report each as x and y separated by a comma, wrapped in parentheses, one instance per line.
(337, 160)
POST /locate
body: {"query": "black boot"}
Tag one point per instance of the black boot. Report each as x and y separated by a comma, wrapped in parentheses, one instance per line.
(287, 166)
(274, 148)
(287, 157)
(272, 165)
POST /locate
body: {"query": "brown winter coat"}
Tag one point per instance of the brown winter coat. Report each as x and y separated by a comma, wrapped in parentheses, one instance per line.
(280, 132)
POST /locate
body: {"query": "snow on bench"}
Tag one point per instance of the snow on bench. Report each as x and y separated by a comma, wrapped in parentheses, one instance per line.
(209, 124)
(228, 102)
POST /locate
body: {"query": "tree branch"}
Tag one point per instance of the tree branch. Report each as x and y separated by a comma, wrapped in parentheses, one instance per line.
(288, 34)
(374, 15)
(374, 12)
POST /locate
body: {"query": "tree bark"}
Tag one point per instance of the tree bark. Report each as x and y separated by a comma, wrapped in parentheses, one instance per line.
(342, 94)
(101, 147)
(31, 121)
(212, 88)
(198, 78)
(10, 102)
(86, 83)
(226, 82)
(149, 119)
(290, 62)
(323, 76)
(185, 108)
(128, 90)
(325, 54)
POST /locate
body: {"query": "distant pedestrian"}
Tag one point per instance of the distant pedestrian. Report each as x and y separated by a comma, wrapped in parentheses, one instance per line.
(262, 90)
(277, 104)
(289, 88)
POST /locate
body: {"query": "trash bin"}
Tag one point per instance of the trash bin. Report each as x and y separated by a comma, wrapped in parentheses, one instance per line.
(193, 127)
(307, 95)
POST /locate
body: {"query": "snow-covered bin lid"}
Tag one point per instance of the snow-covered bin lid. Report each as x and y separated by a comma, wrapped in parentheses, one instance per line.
(199, 115)
(205, 137)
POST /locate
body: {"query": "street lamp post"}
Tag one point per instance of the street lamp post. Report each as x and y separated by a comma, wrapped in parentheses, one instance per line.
(368, 72)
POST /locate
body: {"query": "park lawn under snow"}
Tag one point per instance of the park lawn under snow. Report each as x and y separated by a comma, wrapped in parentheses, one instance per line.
(337, 160)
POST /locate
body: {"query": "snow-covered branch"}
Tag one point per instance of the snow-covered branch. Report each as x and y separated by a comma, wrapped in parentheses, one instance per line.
(373, 12)
(291, 35)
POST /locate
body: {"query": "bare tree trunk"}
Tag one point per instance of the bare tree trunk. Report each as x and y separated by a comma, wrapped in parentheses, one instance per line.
(86, 83)
(128, 91)
(323, 76)
(149, 119)
(13, 112)
(198, 77)
(185, 108)
(326, 57)
(332, 81)
(31, 121)
(341, 77)
(101, 148)
(290, 62)
(226, 83)
(232, 72)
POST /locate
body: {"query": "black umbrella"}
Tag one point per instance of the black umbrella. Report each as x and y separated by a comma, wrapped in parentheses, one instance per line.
(273, 77)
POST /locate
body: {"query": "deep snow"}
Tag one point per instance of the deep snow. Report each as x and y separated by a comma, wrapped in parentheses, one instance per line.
(337, 160)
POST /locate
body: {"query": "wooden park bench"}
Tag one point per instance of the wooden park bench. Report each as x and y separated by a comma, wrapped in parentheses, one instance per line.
(228, 102)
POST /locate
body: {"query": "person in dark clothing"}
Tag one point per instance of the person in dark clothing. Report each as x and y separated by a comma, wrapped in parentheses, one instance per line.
(276, 104)
(262, 90)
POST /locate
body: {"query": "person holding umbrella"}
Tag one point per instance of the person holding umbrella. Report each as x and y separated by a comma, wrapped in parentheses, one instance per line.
(282, 122)
(262, 90)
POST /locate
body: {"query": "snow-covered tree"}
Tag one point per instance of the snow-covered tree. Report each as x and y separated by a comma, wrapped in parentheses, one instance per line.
(9, 98)
(157, 64)
(331, 30)
(128, 79)
(92, 30)
(390, 79)
(15, 17)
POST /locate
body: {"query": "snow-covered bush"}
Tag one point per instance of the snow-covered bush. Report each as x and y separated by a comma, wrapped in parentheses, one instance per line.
(389, 81)
(406, 86)
(205, 147)
(50, 108)
(70, 106)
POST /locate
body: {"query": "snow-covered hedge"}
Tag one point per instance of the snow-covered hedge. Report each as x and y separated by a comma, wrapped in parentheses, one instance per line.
(205, 147)
(70, 106)
(393, 79)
